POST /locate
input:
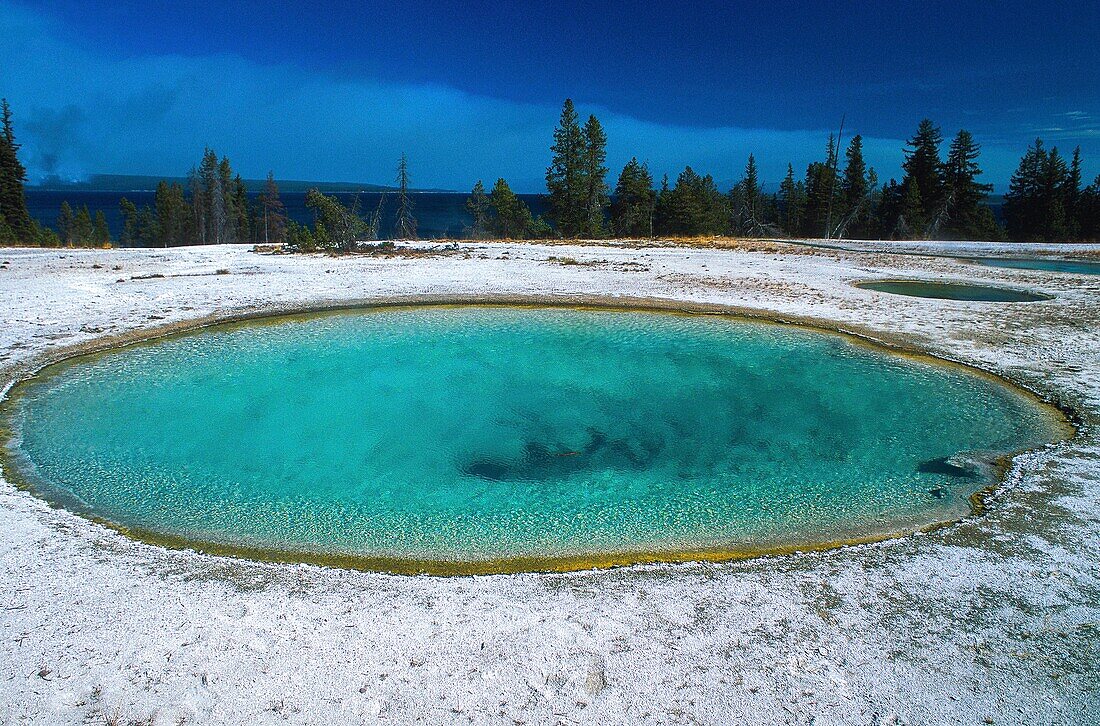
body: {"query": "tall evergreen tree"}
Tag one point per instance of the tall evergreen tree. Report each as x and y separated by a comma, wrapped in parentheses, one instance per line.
(217, 223)
(853, 209)
(129, 212)
(662, 218)
(511, 217)
(822, 190)
(1088, 212)
(66, 225)
(633, 207)
(273, 219)
(792, 203)
(480, 210)
(885, 215)
(1035, 205)
(565, 177)
(595, 177)
(694, 207)
(101, 233)
(209, 201)
(747, 202)
(967, 217)
(406, 222)
(242, 217)
(910, 222)
(173, 215)
(923, 167)
(1072, 195)
(225, 207)
(13, 203)
(147, 229)
(83, 228)
(200, 205)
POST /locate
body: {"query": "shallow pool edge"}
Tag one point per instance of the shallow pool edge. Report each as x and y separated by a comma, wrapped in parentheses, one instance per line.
(1064, 422)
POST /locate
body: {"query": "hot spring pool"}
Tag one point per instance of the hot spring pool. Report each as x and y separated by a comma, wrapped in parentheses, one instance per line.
(1077, 267)
(953, 291)
(491, 439)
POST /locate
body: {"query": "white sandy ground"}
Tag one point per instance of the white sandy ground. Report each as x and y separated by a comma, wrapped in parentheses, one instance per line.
(992, 620)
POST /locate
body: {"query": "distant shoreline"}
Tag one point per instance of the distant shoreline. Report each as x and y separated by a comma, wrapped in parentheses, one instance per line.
(135, 183)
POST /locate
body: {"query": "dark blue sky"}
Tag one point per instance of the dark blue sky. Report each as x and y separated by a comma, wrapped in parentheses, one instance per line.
(338, 89)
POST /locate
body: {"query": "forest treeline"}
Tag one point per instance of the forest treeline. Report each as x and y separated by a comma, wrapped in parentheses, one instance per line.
(939, 196)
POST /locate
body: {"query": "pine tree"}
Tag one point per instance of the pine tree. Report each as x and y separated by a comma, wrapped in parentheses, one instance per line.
(511, 218)
(632, 210)
(565, 177)
(1035, 205)
(218, 219)
(199, 205)
(911, 217)
(83, 229)
(101, 233)
(923, 167)
(148, 231)
(662, 218)
(66, 225)
(887, 211)
(792, 203)
(129, 212)
(853, 208)
(225, 207)
(694, 206)
(595, 177)
(242, 227)
(43, 236)
(173, 216)
(213, 200)
(822, 192)
(209, 201)
(967, 217)
(406, 222)
(273, 220)
(867, 226)
(1071, 190)
(13, 203)
(747, 202)
(1088, 212)
(479, 208)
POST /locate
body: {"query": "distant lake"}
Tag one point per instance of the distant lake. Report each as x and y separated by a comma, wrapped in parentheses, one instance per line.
(438, 214)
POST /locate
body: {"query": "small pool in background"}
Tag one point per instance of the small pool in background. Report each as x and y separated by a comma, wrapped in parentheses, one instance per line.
(1077, 267)
(953, 291)
(495, 439)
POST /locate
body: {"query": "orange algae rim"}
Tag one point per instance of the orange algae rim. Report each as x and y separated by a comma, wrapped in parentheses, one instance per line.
(15, 468)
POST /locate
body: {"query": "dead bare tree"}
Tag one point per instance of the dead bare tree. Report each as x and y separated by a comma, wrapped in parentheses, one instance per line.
(835, 162)
(375, 218)
(942, 216)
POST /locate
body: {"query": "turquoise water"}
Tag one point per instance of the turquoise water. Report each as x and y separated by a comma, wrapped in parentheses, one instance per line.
(1078, 267)
(953, 291)
(478, 433)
